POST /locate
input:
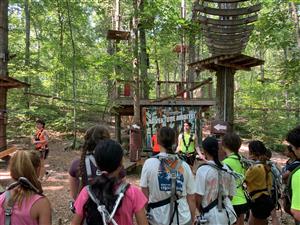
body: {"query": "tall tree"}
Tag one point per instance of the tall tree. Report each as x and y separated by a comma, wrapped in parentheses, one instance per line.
(73, 71)
(3, 70)
(27, 46)
(143, 53)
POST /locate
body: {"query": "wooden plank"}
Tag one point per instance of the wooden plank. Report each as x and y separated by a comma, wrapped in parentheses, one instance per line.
(228, 42)
(229, 35)
(167, 102)
(228, 30)
(234, 66)
(207, 81)
(210, 60)
(227, 12)
(225, 1)
(7, 152)
(226, 46)
(118, 35)
(227, 38)
(177, 82)
(236, 22)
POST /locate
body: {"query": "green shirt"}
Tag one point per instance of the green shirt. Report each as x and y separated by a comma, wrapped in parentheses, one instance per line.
(234, 163)
(295, 190)
(189, 146)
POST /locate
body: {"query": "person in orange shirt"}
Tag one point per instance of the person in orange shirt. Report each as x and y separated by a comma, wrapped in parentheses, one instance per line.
(154, 143)
(40, 141)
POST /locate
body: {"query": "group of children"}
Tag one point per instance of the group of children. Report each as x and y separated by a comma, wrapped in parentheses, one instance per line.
(220, 193)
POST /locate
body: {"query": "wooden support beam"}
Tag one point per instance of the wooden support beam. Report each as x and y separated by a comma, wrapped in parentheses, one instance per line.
(7, 152)
(227, 12)
(228, 30)
(237, 22)
(234, 66)
(225, 1)
(229, 40)
(207, 81)
(61, 99)
(177, 82)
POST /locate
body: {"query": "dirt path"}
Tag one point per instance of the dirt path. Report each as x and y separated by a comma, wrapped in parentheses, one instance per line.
(56, 186)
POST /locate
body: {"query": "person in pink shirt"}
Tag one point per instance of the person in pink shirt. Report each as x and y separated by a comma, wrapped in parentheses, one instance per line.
(24, 198)
(109, 199)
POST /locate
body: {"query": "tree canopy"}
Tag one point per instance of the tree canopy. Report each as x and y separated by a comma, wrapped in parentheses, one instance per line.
(72, 66)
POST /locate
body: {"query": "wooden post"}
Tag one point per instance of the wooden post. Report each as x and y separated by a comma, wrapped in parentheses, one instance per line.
(3, 70)
(118, 128)
(225, 95)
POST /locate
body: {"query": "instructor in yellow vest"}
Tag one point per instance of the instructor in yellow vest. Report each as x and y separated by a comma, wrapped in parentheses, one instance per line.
(188, 144)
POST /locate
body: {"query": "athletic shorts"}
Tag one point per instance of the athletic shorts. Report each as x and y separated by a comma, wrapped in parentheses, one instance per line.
(241, 209)
(188, 158)
(44, 153)
(262, 206)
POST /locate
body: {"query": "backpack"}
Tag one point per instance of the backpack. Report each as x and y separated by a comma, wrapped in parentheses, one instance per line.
(219, 201)
(287, 193)
(89, 160)
(107, 217)
(166, 173)
(276, 185)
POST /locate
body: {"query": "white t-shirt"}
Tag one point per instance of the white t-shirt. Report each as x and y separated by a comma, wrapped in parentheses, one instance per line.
(157, 184)
(207, 185)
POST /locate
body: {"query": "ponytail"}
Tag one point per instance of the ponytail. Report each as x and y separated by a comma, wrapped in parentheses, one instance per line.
(216, 158)
(103, 189)
(211, 146)
(25, 164)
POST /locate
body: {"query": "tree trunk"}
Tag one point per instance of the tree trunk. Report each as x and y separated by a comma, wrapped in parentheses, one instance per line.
(3, 70)
(294, 11)
(192, 53)
(157, 71)
(183, 47)
(74, 84)
(136, 97)
(225, 95)
(143, 55)
(27, 48)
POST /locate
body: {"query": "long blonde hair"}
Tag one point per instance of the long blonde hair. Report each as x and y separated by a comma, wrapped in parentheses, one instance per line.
(25, 164)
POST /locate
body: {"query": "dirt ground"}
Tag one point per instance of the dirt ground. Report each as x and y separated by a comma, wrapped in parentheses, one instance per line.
(56, 186)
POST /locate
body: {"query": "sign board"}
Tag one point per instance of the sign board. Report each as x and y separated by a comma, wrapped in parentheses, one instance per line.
(219, 127)
(174, 117)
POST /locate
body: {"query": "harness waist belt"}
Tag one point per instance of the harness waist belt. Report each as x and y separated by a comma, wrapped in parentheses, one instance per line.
(154, 205)
(257, 191)
(210, 206)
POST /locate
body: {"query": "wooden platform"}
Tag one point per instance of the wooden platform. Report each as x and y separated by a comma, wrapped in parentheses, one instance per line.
(234, 61)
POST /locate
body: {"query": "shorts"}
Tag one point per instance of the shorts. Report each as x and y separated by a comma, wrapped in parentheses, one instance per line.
(241, 209)
(155, 153)
(44, 153)
(188, 158)
(262, 206)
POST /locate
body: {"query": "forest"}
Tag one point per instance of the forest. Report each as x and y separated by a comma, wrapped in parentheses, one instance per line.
(61, 49)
